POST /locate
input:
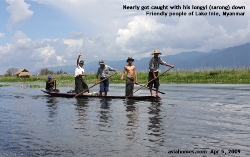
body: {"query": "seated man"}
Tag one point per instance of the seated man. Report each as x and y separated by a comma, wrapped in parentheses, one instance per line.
(50, 84)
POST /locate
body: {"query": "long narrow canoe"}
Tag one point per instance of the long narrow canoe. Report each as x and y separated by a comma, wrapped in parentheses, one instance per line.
(71, 95)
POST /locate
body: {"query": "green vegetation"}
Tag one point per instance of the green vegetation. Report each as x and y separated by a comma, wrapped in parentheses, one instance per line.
(36, 86)
(4, 85)
(231, 76)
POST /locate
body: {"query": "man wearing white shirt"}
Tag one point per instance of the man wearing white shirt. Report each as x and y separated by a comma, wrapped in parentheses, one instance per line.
(80, 84)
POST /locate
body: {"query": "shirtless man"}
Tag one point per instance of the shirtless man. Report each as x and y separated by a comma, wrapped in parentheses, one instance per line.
(131, 73)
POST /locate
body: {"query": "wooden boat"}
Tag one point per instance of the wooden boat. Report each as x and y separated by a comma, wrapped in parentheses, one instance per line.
(71, 95)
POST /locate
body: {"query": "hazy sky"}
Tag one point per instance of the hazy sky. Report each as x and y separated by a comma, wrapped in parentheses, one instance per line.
(42, 33)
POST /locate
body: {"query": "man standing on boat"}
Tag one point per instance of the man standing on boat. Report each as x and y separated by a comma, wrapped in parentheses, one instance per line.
(131, 77)
(153, 71)
(80, 83)
(103, 71)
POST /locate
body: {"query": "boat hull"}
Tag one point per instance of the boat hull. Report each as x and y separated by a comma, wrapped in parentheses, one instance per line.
(72, 95)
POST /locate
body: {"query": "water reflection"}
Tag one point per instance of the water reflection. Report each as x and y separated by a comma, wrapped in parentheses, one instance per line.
(132, 115)
(52, 105)
(137, 128)
(155, 128)
(82, 114)
(105, 113)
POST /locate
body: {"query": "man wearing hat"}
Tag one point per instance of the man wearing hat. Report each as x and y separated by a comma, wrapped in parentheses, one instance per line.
(50, 83)
(80, 84)
(153, 71)
(131, 74)
(103, 71)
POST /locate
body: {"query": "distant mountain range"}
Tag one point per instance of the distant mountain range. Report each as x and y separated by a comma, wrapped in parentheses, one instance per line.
(237, 56)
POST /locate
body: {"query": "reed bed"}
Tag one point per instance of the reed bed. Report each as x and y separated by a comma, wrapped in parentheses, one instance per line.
(4, 85)
(220, 76)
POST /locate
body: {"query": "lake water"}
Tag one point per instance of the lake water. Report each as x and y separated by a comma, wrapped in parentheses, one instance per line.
(189, 120)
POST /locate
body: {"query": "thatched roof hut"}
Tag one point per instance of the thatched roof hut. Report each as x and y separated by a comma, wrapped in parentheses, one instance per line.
(23, 73)
(64, 73)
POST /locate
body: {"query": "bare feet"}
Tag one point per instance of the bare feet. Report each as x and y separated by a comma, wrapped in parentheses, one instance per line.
(157, 96)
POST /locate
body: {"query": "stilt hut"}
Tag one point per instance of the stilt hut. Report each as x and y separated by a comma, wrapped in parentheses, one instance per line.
(23, 73)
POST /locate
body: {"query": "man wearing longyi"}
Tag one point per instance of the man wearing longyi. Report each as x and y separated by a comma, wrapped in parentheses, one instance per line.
(153, 71)
(80, 84)
(131, 77)
(103, 71)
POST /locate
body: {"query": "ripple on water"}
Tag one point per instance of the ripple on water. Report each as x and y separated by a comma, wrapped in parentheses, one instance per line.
(189, 117)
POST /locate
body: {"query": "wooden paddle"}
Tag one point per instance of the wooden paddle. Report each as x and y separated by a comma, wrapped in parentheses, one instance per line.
(146, 87)
(149, 88)
(95, 84)
(151, 81)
